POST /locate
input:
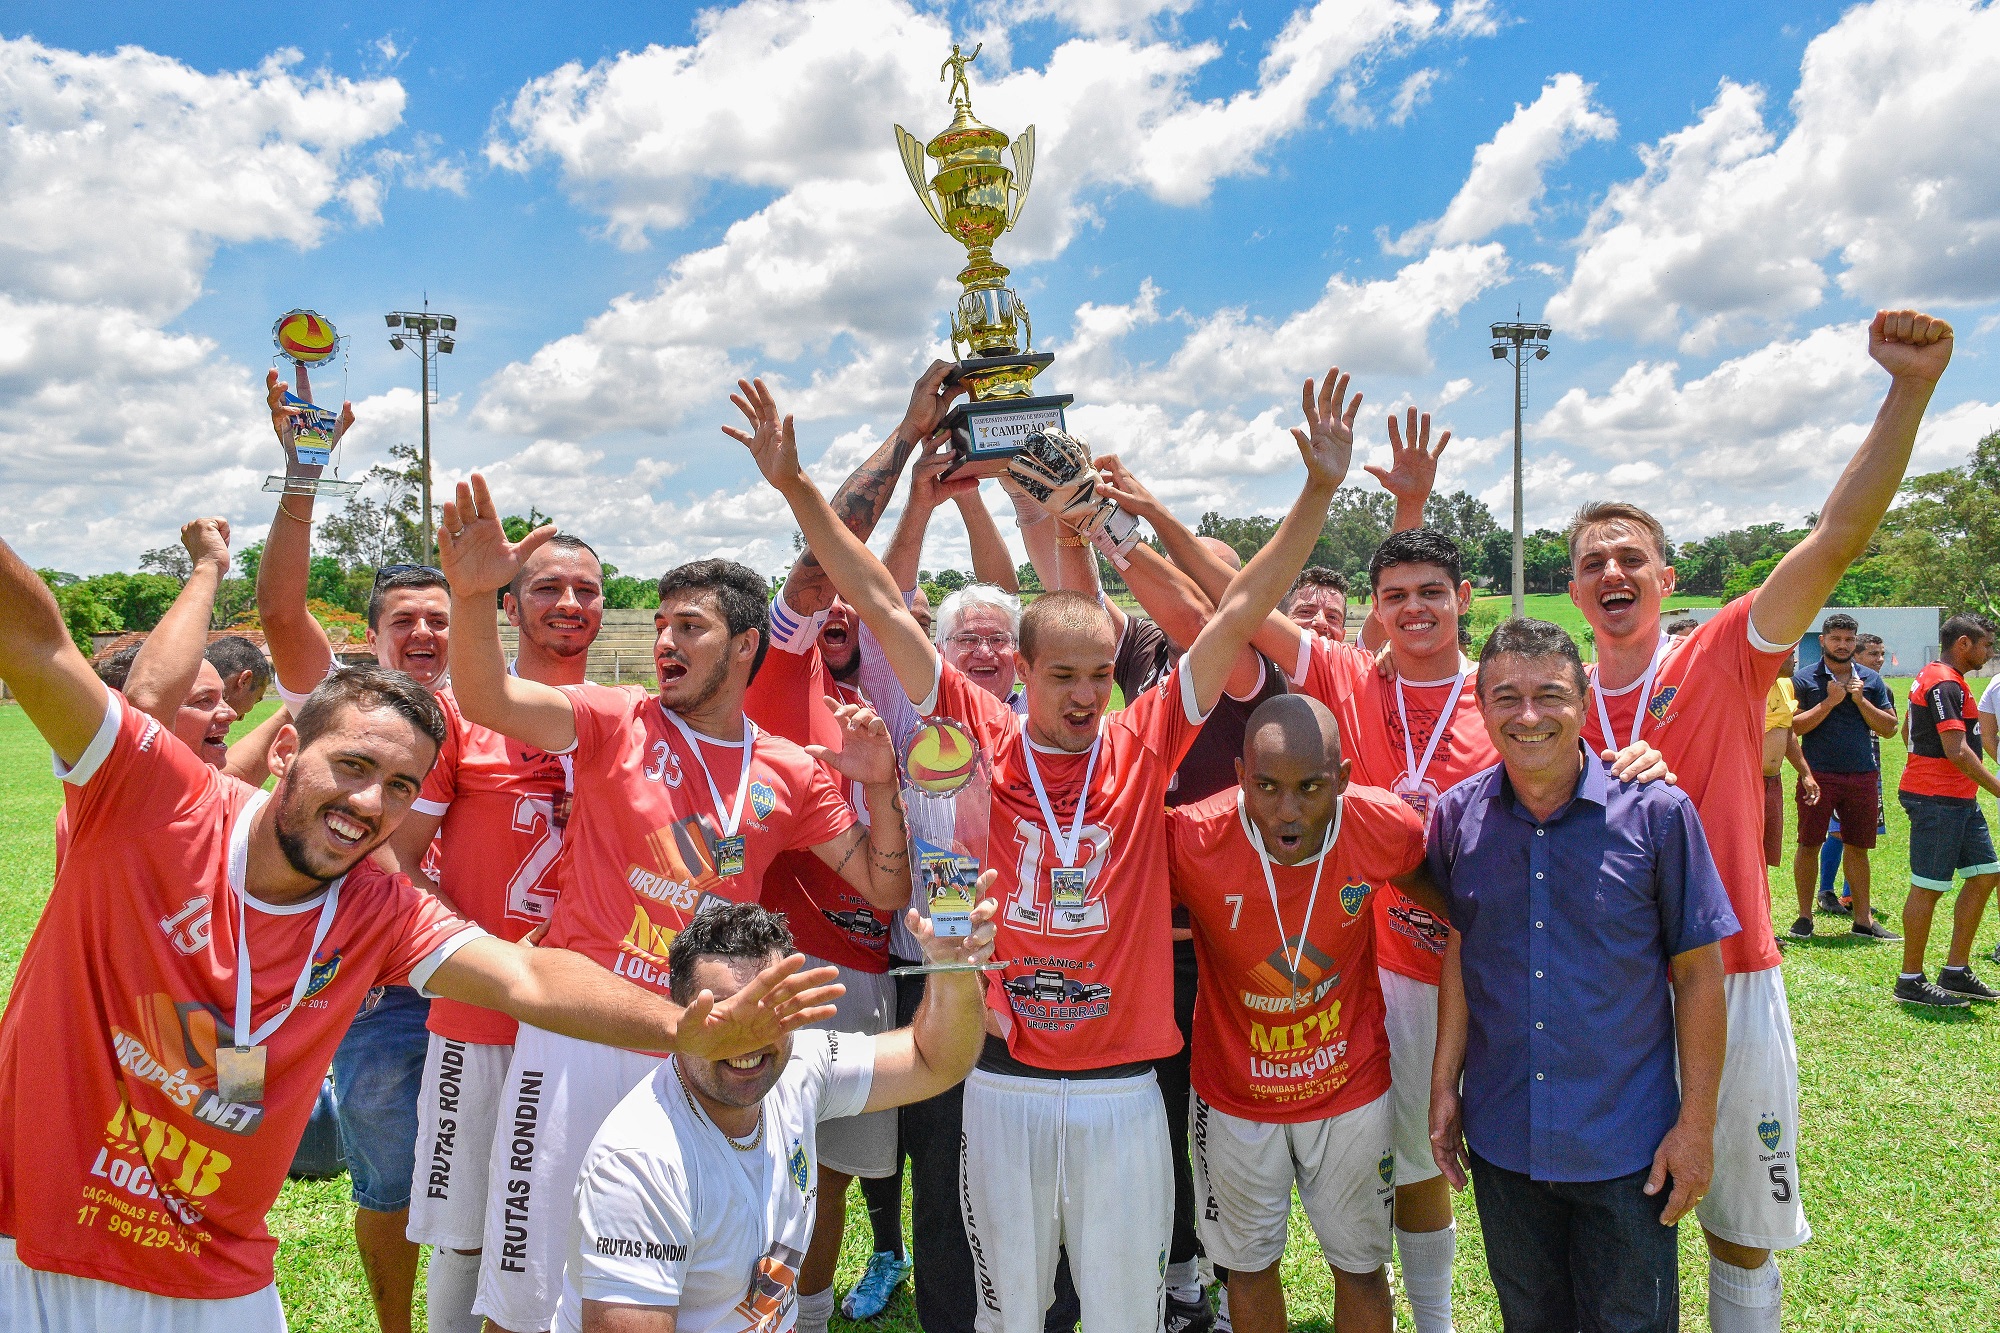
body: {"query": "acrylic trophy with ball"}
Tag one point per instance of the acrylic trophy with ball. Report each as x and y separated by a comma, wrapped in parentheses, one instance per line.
(308, 339)
(947, 787)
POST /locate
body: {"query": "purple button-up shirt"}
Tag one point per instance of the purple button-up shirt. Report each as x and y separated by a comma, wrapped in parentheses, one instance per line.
(1568, 925)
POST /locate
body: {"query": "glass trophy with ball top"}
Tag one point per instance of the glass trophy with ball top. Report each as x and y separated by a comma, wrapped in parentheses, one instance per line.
(947, 788)
(307, 339)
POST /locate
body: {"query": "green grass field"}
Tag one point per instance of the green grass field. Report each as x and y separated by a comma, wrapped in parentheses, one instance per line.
(1558, 608)
(1899, 1159)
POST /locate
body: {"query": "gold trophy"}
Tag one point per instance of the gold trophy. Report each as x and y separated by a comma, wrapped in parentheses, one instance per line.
(974, 198)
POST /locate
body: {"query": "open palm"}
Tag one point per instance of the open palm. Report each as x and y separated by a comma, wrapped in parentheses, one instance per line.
(1326, 442)
(1413, 463)
(473, 550)
(770, 440)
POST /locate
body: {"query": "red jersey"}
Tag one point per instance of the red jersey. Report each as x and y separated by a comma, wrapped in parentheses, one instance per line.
(1706, 715)
(1940, 701)
(830, 918)
(1090, 976)
(1409, 940)
(1275, 1042)
(119, 1161)
(644, 837)
(503, 806)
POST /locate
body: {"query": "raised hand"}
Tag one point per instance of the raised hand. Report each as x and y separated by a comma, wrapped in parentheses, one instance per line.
(930, 402)
(1326, 443)
(867, 754)
(973, 948)
(1116, 481)
(207, 542)
(473, 550)
(782, 997)
(1910, 345)
(285, 422)
(770, 439)
(1412, 471)
(926, 491)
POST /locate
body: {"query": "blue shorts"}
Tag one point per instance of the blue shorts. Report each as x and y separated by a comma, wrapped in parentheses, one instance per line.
(377, 1073)
(1948, 837)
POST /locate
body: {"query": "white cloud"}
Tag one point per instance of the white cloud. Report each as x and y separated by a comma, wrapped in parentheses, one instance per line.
(1506, 179)
(842, 265)
(1887, 185)
(1412, 93)
(120, 175)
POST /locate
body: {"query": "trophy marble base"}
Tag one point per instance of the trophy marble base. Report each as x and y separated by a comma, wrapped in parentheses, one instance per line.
(326, 486)
(984, 435)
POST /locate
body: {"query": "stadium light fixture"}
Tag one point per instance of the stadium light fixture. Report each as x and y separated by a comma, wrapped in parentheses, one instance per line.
(430, 334)
(1516, 343)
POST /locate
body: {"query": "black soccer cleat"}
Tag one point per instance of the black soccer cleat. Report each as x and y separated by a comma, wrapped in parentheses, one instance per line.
(1917, 990)
(1960, 981)
(1189, 1316)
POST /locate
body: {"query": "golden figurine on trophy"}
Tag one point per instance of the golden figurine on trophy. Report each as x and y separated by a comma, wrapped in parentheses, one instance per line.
(975, 198)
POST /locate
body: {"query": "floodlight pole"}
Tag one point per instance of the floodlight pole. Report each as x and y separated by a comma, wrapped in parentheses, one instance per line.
(1515, 343)
(433, 333)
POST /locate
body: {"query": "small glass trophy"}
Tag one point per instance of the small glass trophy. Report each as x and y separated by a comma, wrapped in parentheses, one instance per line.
(306, 338)
(947, 790)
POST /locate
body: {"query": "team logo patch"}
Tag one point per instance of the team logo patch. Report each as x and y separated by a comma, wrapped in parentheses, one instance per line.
(322, 976)
(1657, 707)
(1386, 1168)
(1352, 895)
(1768, 1130)
(763, 800)
(801, 1169)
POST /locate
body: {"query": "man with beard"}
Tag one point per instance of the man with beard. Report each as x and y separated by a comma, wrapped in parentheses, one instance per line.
(1700, 699)
(696, 1198)
(497, 809)
(201, 953)
(679, 802)
(1063, 1117)
(1842, 707)
(378, 1070)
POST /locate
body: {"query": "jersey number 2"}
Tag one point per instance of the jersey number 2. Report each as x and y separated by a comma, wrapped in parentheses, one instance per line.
(525, 895)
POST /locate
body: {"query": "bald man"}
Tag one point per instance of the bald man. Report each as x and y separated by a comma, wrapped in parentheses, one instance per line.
(1290, 1055)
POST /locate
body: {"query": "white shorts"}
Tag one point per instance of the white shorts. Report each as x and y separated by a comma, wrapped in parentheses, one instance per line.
(860, 1145)
(1345, 1168)
(1410, 1012)
(558, 1092)
(1076, 1163)
(32, 1301)
(457, 1108)
(1753, 1199)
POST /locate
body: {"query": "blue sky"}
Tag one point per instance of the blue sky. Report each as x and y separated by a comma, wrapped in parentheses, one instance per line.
(1704, 201)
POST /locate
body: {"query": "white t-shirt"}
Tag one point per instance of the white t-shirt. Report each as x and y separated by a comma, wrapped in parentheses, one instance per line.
(669, 1214)
(1989, 702)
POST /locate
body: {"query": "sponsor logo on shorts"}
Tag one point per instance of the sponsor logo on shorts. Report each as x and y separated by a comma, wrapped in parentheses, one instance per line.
(444, 1141)
(988, 1297)
(1386, 1168)
(658, 1251)
(520, 1169)
(1769, 1129)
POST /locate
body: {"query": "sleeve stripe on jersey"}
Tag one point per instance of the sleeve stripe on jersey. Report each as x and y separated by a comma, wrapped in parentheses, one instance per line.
(98, 750)
(420, 975)
(423, 807)
(1256, 690)
(1298, 676)
(1759, 642)
(1189, 704)
(792, 632)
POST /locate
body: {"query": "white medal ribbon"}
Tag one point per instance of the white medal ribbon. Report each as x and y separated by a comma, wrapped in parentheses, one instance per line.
(245, 1037)
(1271, 881)
(730, 818)
(1065, 850)
(1415, 769)
(1597, 693)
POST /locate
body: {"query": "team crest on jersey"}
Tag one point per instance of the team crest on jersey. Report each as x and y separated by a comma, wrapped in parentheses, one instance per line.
(801, 1169)
(763, 800)
(1656, 708)
(323, 973)
(1352, 895)
(1386, 1168)
(1769, 1129)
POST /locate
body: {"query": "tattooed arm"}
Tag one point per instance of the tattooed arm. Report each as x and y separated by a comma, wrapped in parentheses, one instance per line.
(862, 497)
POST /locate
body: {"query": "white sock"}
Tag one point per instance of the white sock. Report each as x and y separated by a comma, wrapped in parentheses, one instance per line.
(1184, 1282)
(1744, 1300)
(1425, 1257)
(1222, 1323)
(814, 1311)
(449, 1286)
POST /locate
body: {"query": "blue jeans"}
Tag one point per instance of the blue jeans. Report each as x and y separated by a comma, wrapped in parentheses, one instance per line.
(1568, 1256)
(376, 1075)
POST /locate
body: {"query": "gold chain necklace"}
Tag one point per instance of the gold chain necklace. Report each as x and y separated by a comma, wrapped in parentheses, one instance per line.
(756, 1138)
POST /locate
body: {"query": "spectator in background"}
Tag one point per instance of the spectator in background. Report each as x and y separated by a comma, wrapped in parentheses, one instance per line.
(1873, 654)
(1684, 626)
(1780, 744)
(245, 671)
(1948, 834)
(1843, 706)
(1317, 603)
